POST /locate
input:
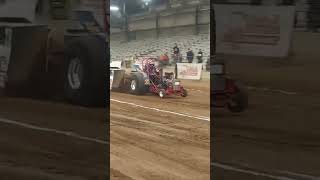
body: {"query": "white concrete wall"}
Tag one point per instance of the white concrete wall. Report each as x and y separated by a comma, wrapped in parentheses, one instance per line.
(204, 29)
(171, 22)
(305, 43)
(204, 17)
(165, 32)
(142, 24)
(169, 19)
(146, 34)
(181, 18)
(119, 37)
(173, 31)
(115, 30)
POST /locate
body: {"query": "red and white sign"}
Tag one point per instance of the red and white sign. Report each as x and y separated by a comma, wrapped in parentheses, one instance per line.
(254, 30)
(189, 71)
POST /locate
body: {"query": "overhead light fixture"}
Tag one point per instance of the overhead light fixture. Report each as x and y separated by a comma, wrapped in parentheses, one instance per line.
(146, 2)
(114, 8)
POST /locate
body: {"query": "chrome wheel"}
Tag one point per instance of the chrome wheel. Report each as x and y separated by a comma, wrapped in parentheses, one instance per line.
(161, 94)
(75, 73)
(133, 85)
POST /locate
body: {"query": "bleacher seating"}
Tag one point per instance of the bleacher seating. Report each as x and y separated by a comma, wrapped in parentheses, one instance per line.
(157, 47)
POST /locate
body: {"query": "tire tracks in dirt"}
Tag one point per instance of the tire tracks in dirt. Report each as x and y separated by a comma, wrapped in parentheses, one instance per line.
(150, 144)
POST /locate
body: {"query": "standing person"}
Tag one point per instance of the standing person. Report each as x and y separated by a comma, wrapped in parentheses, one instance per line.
(164, 59)
(200, 55)
(190, 56)
(176, 52)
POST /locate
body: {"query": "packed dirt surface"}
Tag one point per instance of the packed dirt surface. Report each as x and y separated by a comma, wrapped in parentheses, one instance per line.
(52, 141)
(153, 138)
(278, 136)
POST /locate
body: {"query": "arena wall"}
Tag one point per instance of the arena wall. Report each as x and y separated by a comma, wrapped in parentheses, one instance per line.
(305, 43)
(170, 23)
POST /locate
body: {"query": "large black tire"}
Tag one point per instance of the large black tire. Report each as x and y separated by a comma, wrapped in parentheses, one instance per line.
(185, 93)
(136, 84)
(239, 100)
(89, 54)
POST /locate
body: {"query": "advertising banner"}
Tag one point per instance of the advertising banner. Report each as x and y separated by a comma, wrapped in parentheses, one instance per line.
(189, 71)
(254, 30)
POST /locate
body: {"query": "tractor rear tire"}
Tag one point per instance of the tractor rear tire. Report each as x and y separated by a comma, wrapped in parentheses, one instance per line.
(86, 71)
(239, 100)
(184, 93)
(136, 85)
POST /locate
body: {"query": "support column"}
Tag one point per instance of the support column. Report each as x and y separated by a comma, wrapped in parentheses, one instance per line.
(197, 20)
(157, 26)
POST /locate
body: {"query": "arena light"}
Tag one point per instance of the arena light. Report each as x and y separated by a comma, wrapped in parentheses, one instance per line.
(114, 8)
(146, 2)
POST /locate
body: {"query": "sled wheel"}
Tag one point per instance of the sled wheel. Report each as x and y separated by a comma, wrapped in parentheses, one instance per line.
(162, 93)
(184, 93)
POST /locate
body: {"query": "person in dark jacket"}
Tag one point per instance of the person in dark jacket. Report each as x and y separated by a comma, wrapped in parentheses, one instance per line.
(176, 50)
(199, 56)
(190, 56)
(176, 53)
(164, 59)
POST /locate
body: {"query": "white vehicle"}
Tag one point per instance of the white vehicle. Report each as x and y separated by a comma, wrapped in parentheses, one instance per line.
(128, 76)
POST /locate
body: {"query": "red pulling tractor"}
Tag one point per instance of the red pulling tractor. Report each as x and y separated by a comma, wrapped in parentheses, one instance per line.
(144, 76)
(226, 92)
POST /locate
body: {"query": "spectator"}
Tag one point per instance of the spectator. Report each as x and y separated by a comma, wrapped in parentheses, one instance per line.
(176, 53)
(176, 50)
(164, 59)
(189, 56)
(200, 55)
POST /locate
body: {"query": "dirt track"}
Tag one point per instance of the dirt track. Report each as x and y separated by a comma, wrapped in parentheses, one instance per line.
(148, 144)
(46, 140)
(43, 140)
(268, 138)
(278, 137)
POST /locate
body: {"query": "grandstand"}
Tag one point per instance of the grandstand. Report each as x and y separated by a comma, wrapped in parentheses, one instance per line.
(157, 47)
(155, 32)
